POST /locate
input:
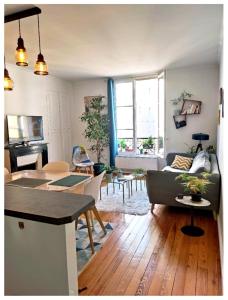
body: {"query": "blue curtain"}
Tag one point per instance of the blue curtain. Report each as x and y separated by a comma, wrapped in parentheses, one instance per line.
(112, 121)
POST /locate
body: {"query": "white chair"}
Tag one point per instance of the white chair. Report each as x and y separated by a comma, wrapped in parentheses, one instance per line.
(92, 188)
(57, 166)
(81, 160)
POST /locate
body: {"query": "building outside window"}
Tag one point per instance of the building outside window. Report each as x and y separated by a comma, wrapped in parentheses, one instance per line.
(140, 115)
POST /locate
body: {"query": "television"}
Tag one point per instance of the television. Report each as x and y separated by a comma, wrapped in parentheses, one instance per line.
(23, 129)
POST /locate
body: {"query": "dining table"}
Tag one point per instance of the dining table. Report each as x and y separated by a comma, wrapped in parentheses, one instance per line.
(50, 177)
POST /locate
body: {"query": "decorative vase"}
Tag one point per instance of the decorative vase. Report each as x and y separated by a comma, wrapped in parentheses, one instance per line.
(109, 177)
(98, 168)
(196, 197)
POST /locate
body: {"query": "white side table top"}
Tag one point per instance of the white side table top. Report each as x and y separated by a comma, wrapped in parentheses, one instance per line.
(187, 200)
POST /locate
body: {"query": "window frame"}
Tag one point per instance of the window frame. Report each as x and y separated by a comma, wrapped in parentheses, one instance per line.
(133, 80)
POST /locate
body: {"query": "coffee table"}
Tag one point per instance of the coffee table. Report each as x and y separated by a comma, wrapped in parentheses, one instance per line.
(121, 181)
(191, 229)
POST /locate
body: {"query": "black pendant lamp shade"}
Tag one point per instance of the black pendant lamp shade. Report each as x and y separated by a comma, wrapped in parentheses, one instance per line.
(21, 54)
(40, 66)
(8, 82)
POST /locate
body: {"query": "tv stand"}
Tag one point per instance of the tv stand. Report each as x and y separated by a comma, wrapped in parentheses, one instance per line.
(15, 153)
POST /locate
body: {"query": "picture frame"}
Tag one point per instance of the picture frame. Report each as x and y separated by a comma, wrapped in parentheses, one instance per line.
(191, 107)
(222, 100)
(180, 121)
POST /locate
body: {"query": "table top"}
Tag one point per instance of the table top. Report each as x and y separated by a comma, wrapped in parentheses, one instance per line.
(45, 206)
(52, 176)
(187, 200)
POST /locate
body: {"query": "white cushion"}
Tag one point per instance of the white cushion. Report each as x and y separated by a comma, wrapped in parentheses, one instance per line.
(170, 169)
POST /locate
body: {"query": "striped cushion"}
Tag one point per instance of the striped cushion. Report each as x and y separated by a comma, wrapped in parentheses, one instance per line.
(182, 163)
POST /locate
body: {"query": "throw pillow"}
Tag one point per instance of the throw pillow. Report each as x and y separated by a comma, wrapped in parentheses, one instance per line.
(182, 163)
(200, 164)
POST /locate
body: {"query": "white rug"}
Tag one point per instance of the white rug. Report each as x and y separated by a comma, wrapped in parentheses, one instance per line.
(137, 204)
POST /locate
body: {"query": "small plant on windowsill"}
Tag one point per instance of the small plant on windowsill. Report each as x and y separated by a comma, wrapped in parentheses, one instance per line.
(195, 186)
(122, 144)
(148, 144)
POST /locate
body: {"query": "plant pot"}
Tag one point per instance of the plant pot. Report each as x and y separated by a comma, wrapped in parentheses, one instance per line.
(196, 197)
(98, 168)
(109, 177)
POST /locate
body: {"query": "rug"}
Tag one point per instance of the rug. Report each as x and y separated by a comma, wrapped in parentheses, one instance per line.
(82, 241)
(137, 204)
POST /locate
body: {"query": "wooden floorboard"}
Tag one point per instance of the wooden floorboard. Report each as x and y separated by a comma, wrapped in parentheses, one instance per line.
(149, 255)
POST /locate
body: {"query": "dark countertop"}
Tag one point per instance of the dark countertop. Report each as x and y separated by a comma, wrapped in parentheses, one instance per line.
(45, 206)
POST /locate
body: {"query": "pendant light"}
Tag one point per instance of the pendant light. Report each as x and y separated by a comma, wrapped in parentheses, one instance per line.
(40, 66)
(21, 54)
(8, 82)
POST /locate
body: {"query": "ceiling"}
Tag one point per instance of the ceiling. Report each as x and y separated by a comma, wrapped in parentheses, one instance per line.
(87, 41)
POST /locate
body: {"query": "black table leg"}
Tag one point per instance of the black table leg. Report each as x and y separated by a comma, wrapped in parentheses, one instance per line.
(191, 229)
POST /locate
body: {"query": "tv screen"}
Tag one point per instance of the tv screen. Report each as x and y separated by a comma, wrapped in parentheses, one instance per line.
(24, 128)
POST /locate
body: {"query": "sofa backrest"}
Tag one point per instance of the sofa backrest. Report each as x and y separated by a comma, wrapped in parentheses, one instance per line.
(170, 156)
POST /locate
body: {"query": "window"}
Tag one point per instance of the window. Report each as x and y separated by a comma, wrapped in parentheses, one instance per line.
(140, 115)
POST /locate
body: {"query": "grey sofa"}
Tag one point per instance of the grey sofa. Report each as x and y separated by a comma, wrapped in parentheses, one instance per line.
(162, 187)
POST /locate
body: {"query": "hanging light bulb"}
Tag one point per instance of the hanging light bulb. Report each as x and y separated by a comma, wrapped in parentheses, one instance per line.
(40, 66)
(8, 82)
(21, 54)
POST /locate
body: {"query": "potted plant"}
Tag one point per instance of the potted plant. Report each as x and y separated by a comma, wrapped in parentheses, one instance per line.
(195, 186)
(123, 145)
(138, 172)
(119, 173)
(178, 100)
(148, 144)
(109, 170)
(97, 130)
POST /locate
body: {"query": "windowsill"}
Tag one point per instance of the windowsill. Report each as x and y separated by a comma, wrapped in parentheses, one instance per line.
(133, 155)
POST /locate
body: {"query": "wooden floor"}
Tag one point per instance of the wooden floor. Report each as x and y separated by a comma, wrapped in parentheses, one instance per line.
(149, 255)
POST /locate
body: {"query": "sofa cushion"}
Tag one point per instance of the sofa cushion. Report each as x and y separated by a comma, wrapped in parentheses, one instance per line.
(201, 163)
(169, 169)
(182, 163)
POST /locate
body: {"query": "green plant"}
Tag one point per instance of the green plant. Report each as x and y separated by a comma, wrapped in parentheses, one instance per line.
(211, 149)
(97, 131)
(193, 184)
(109, 169)
(122, 144)
(138, 171)
(148, 143)
(191, 149)
(182, 96)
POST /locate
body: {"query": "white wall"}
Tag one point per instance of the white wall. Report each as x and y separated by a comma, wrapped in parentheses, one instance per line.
(93, 87)
(47, 96)
(203, 82)
(220, 149)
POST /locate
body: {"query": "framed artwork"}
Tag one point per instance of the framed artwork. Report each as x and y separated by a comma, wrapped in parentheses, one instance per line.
(191, 107)
(180, 121)
(222, 101)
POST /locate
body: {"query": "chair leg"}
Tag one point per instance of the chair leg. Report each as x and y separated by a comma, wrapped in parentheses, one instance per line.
(89, 231)
(96, 214)
(76, 224)
(91, 218)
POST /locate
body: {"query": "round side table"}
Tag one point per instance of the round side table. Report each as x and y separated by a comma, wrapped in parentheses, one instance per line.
(191, 229)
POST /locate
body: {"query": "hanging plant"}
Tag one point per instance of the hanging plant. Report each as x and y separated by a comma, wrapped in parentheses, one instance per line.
(183, 96)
